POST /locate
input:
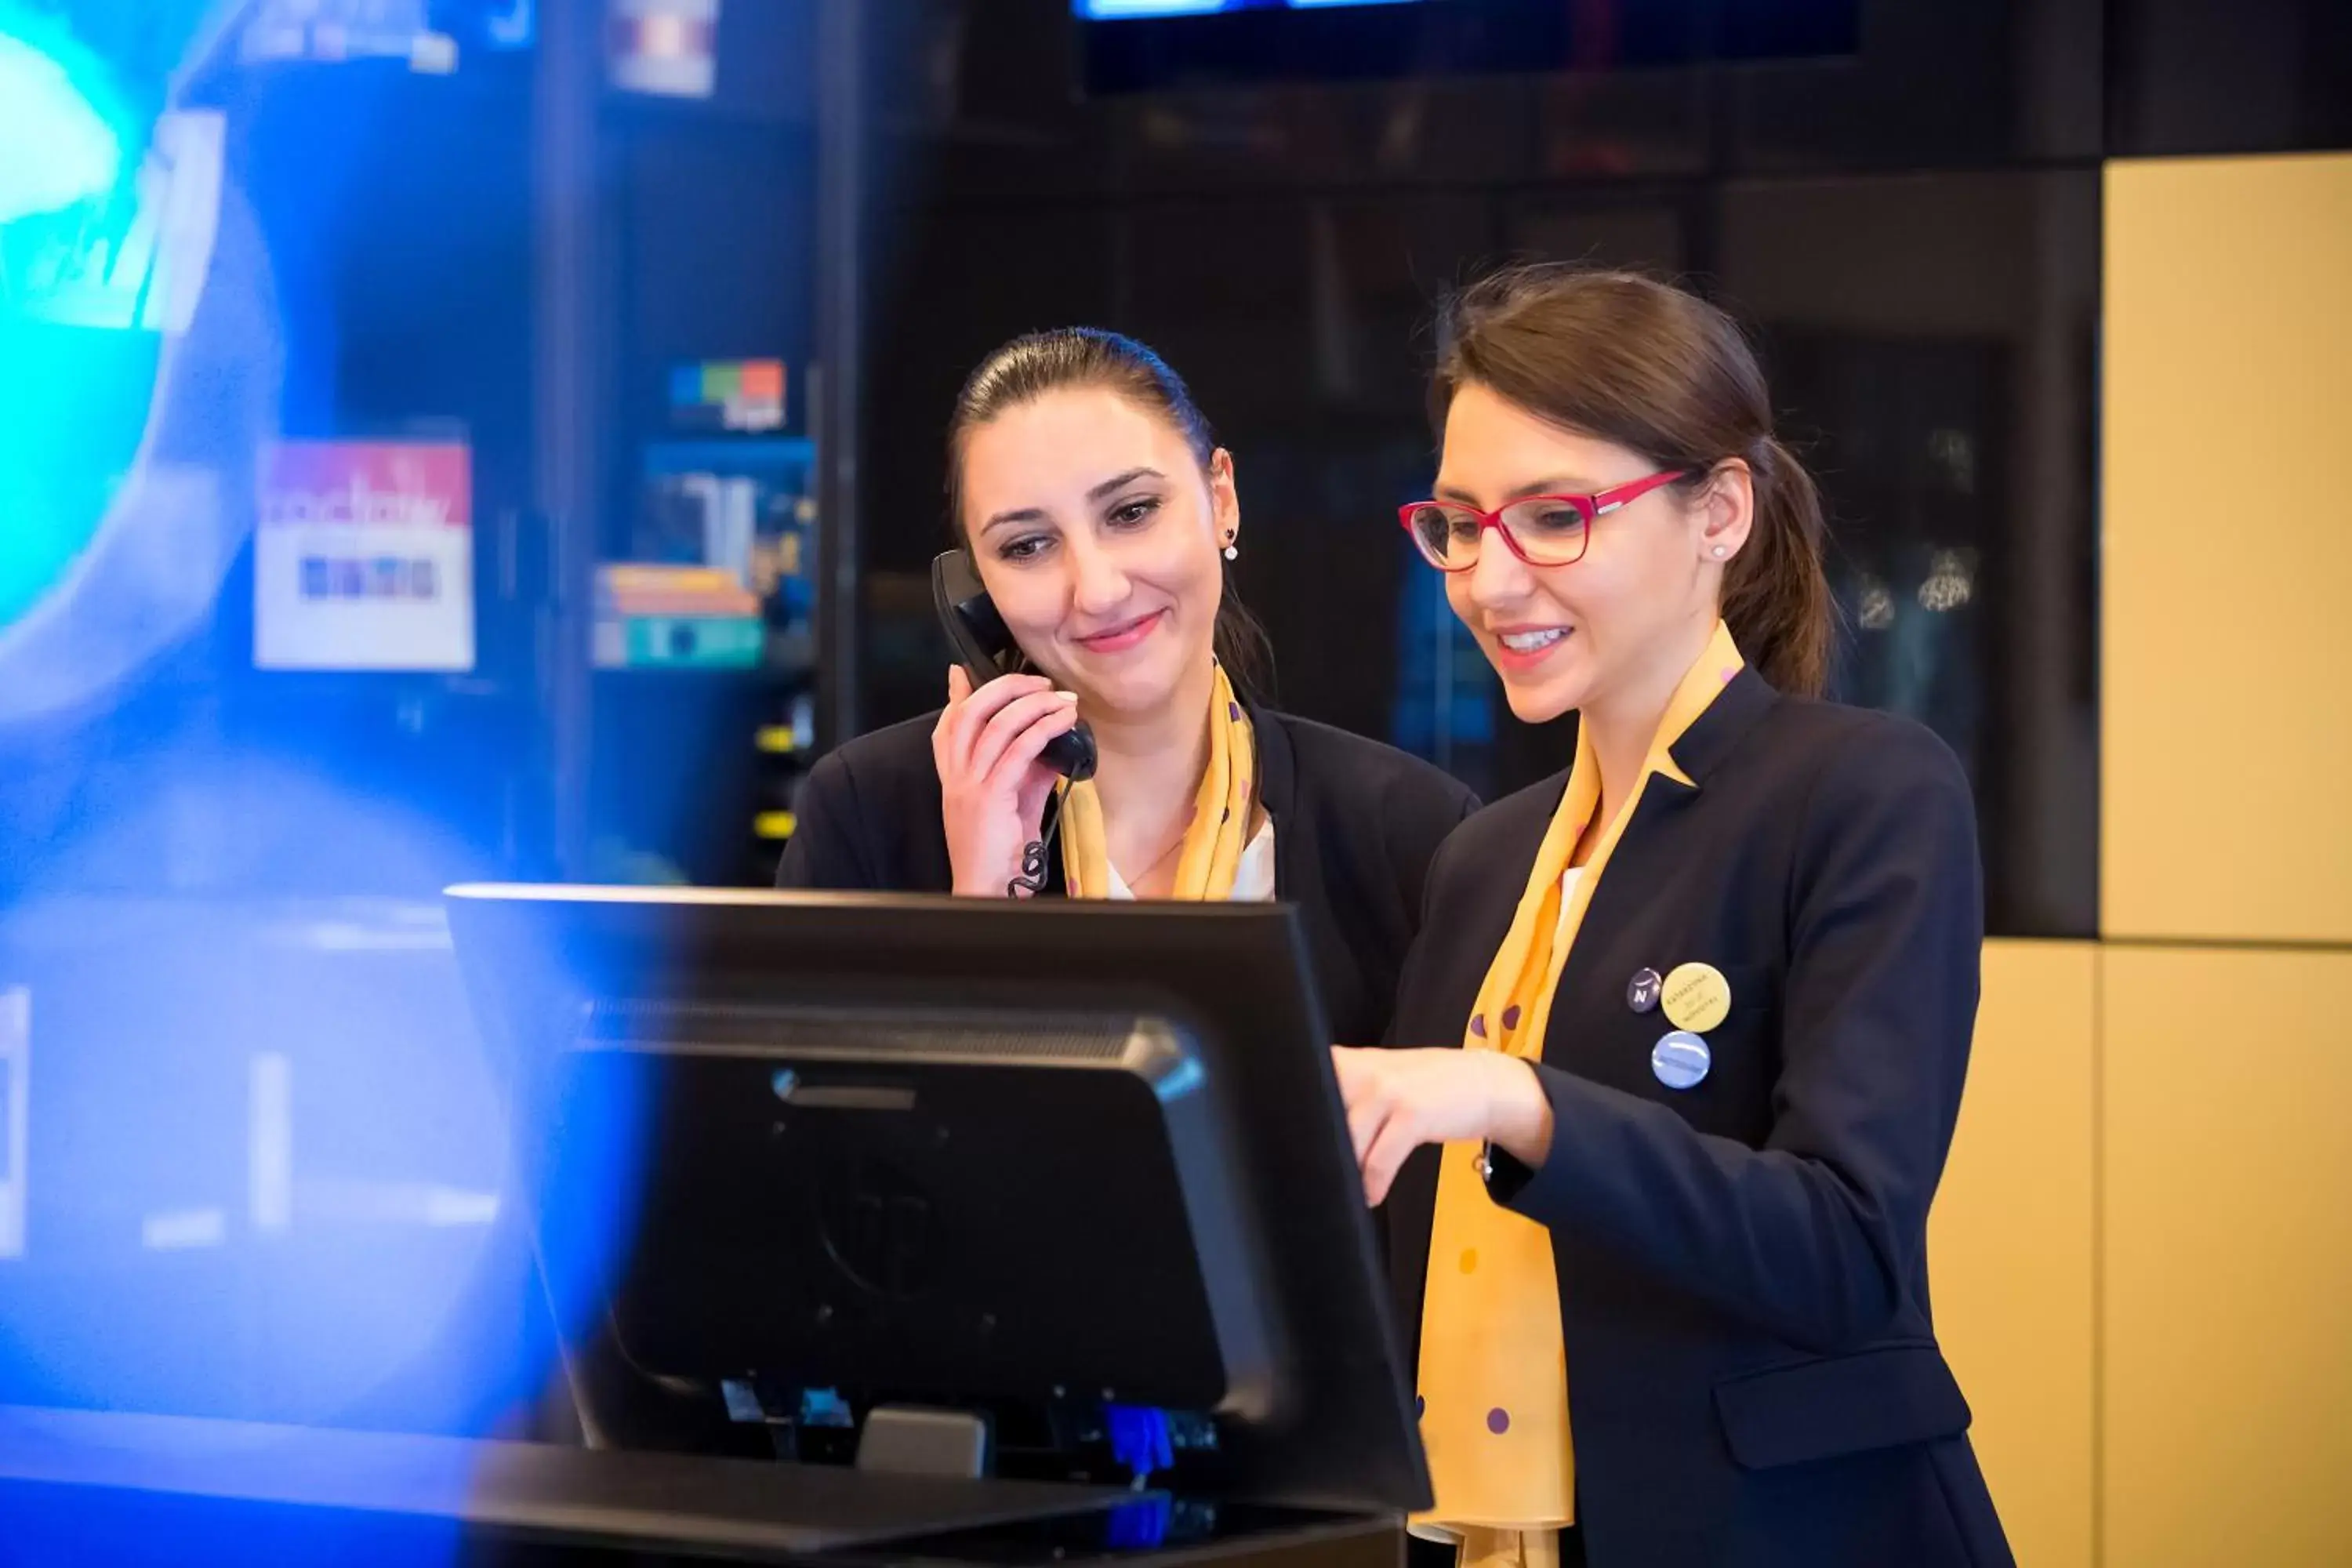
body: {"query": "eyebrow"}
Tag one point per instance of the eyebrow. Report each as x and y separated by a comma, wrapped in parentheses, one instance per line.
(1109, 487)
(1121, 482)
(1556, 485)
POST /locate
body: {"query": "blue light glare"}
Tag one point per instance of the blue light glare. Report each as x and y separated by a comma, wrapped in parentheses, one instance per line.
(61, 157)
(1115, 10)
(56, 148)
(255, 1161)
(108, 224)
(266, 1159)
(263, 1166)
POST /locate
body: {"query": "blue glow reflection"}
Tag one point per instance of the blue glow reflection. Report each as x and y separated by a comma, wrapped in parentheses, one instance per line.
(255, 1161)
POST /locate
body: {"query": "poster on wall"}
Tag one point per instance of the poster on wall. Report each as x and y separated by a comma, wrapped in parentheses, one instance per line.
(364, 556)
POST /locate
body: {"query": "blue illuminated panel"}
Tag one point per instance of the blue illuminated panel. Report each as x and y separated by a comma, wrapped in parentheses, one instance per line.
(1122, 10)
(1181, 44)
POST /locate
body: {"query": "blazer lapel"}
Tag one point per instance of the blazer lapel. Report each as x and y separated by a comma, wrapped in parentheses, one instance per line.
(1277, 791)
(1649, 851)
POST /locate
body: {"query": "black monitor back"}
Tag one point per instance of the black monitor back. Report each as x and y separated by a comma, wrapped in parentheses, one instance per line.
(1008, 1124)
(963, 1207)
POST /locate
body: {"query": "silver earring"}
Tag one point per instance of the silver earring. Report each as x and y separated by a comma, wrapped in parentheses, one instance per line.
(1718, 552)
(1233, 550)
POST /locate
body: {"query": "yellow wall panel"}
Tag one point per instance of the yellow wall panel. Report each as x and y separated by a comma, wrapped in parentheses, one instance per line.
(2227, 1305)
(2010, 1245)
(2226, 729)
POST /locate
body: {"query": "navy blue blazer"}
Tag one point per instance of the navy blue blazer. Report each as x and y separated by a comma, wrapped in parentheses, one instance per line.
(1753, 1375)
(1355, 826)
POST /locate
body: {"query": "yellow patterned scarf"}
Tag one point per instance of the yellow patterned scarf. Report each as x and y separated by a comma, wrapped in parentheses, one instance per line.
(1215, 835)
(1494, 1372)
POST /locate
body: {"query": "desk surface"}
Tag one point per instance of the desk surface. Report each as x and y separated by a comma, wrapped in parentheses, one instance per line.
(577, 1494)
(85, 1471)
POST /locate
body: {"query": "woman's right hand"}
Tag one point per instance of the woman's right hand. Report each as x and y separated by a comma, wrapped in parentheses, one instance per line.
(993, 785)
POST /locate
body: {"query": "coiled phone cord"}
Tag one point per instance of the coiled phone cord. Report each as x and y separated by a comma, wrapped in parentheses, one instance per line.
(1032, 879)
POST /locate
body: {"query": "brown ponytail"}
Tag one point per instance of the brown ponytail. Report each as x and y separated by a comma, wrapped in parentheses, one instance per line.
(1649, 367)
(1776, 595)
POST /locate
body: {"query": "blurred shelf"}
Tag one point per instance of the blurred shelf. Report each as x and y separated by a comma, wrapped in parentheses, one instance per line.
(735, 455)
(748, 674)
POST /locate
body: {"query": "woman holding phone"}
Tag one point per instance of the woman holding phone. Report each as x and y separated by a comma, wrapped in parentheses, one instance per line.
(1100, 514)
(1696, 1009)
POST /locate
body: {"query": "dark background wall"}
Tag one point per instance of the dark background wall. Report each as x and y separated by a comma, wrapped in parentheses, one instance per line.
(1906, 217)
(1909, 226)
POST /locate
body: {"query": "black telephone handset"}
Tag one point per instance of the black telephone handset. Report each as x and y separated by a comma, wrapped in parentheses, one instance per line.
(986, 649)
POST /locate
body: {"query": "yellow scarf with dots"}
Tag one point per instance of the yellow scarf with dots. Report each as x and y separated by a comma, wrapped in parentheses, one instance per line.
(1215, 834)
(1493, 1372)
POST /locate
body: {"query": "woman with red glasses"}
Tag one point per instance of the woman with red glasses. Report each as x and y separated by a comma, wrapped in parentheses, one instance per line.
(1697, 1010)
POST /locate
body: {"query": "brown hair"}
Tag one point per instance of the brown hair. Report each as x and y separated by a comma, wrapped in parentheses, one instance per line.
(1069, 358)
(1657, 370)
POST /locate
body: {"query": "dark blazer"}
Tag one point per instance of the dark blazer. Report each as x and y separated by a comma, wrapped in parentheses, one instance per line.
(1355, 826)
(1753, 1377)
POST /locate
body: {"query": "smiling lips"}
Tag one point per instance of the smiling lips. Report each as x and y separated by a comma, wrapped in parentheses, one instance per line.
(1521, 647)
(1119, 639)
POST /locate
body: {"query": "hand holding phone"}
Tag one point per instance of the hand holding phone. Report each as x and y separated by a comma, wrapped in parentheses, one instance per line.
(1005, 736)
(989, 747)
(984, 647)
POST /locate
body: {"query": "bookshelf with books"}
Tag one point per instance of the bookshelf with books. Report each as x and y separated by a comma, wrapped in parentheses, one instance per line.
(701, 634)
(703, 663)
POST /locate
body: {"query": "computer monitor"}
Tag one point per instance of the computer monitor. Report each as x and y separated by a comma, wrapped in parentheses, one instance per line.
(1035, 1158)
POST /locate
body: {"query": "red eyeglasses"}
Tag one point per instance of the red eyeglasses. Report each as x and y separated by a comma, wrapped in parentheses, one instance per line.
(1542, 530)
